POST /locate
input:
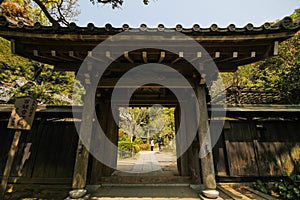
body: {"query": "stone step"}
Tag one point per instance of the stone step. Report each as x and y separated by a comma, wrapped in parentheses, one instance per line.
(146, 180)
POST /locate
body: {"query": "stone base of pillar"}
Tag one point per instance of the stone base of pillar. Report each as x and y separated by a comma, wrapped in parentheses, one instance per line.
(78, 194)
(210, 194)
(205, 198)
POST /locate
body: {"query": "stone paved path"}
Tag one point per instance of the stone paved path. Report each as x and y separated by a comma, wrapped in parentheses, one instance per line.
(146, 162)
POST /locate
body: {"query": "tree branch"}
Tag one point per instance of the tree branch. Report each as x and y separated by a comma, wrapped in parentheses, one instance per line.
(46, 12)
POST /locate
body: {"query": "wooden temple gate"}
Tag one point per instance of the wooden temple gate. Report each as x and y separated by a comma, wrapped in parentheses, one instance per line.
(67, 47)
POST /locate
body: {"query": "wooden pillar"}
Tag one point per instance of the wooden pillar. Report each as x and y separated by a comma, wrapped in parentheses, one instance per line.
(193, 150)
(111, 133)
(184, 159)
(207, 163)
(82, 157)
(110, 128)
(97, 171)
(176, 119)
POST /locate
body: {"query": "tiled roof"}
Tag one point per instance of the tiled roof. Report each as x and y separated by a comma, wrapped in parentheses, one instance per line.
(286, 24)
(67, 47)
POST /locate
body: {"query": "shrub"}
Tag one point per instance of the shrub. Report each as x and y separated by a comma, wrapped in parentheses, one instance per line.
(262, 187)
(287, 188)
(128, 149)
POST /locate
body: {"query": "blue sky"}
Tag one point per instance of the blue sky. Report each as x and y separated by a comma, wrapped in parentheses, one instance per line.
(187, 13)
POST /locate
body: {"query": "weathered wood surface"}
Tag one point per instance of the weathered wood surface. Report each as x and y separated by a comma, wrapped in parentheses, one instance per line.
(86, 128)
(9, 162)
(220, 157)
(266, 148)
(177, 124)
(41, 155)
(207, 162)
(229, 191)
(54, 150)
(110, 128)
(240, 150)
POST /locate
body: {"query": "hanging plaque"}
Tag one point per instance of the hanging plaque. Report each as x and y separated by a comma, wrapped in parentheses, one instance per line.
(22, 115)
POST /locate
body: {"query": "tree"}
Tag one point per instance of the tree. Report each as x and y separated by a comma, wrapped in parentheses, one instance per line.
(114, 3)
(58, 11)
(279, 73)
(45, 11)
(131, 120)
(147, 122)
(39, 80)
(43, 83)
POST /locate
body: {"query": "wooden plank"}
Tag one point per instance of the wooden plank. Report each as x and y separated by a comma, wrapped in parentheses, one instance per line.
(126, 55)
(265, 196)
(278, 148)
(66, 151)
(9, 162)
(240, 150)
(220, 158)
(232, 192)
(162, 56)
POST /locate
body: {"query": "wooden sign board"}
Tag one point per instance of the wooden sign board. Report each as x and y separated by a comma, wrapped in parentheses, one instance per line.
(22, 115)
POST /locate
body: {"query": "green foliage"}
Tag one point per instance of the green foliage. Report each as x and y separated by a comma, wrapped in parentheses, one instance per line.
(128, 149)
(287, 188)
(143, 123)
(41, 86)
(31, 11)
(296, 14)
(262, 187)
(280, 73)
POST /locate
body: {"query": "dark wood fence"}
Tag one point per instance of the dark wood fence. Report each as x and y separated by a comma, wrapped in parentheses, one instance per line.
(268, 148)
(46, 154)
(246, 148)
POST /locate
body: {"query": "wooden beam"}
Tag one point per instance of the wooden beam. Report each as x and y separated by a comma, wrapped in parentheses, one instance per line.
(13, 46)
(108, 55)
(180, 56)
(126, 55)
(35, 53)
(111, 82)
(235, 54)
(53, 53)
(217, 54)
(93, 58)
(145, 58)
(162, 56)
(199, 55)
(72, 55)
(276, 46)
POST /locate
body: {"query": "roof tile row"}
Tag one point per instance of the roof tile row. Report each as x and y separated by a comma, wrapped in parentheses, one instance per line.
(286, 24)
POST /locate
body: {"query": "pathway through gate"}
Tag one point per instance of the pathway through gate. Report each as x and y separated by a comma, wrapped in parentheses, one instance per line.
(148, 163)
